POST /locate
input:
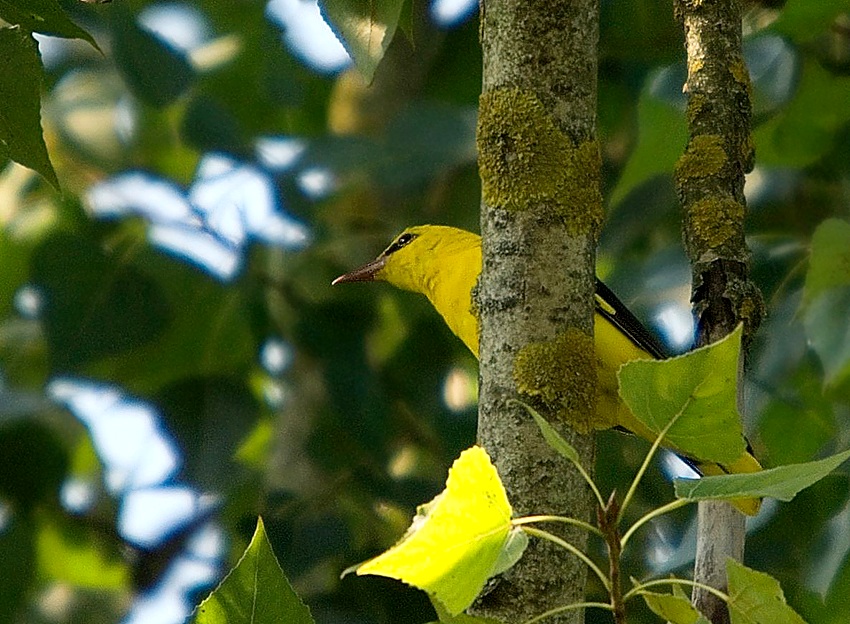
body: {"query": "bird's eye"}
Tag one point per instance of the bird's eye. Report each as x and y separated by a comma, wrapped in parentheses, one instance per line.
(400, 242)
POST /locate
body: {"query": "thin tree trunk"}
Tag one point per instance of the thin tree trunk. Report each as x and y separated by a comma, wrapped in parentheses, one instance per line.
(710, 182)
(540, 214)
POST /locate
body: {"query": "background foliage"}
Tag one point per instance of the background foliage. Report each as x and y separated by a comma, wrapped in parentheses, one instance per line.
(158, 395)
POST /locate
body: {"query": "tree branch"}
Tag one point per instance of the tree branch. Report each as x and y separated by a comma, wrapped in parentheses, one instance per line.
(710, 183)
(540, 215)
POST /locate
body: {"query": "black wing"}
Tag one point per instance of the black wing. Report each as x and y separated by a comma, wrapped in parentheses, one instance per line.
(619, 315)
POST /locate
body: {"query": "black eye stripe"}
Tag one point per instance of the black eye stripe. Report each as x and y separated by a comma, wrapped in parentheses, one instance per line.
(400, 242)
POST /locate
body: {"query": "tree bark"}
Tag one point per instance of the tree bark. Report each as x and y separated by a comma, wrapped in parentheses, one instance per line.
(710, 183)
(540, 215)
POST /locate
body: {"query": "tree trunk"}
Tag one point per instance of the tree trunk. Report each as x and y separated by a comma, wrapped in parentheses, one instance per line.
(540, 214)
(710, 183)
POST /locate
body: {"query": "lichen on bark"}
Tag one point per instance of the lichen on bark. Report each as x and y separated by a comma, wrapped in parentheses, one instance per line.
(703, 157)
(526, 161)
(715, 228)
(561, 372)
(712, 197)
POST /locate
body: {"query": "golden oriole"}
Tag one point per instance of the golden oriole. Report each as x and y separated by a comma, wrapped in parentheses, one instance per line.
(443, 263)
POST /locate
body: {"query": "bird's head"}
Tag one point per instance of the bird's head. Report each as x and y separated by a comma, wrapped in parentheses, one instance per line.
(413, 258)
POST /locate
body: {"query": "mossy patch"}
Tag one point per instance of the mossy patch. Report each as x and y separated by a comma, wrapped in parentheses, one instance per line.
(562, 373)
(741, 74)
(526, 161)
(703, 157)
(714, 222)
(696, 104)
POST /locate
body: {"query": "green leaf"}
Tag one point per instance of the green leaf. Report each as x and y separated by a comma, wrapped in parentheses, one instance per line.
(808, 126)
(456, 541)
(33, 464)
(366, 28)
(804, 409)
(626, 27)
(662, 135)
(207, 332)
(826, 298)
(699, 389)
(829, 262)
(825, 320)
(157, 73)
(756, 597)
(511, 552)
(43, 16)
(20, 103)
(256, 591)
(73, 552)
(782, 483)
(98, 306)
(552, 437)
(18, 567)
(405, 20)
(672, 608)
(803, 20)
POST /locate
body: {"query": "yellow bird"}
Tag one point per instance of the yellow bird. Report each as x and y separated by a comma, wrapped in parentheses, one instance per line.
(443, 263)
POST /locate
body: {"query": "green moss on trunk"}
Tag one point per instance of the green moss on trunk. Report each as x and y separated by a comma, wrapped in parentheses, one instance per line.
(558, 373)
(525, 161)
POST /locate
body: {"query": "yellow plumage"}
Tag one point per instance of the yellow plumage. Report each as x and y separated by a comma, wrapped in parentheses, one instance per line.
(443, 263)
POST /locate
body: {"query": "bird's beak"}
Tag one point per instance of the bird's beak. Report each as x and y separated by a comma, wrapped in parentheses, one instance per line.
(366, 273)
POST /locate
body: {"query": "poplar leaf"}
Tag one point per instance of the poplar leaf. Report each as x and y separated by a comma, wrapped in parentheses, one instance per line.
(255, 591)
(756, 597)
(456, 541)
(699, 389)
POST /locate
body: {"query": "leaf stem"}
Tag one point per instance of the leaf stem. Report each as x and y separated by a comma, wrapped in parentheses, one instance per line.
(676, 504)
(563, 519)
(561, 446)
(565, 608)
(570, 548)
(645, 465)
(590, 482)
(609, 523)
(639, 589)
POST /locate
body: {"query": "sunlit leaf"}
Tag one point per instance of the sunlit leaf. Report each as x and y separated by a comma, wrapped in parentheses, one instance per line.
(366, 28)
(700, 389)
(71, 552)
(756, 597)
(256, 591)
(456, 541)
(782, 483)
(20, 103)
